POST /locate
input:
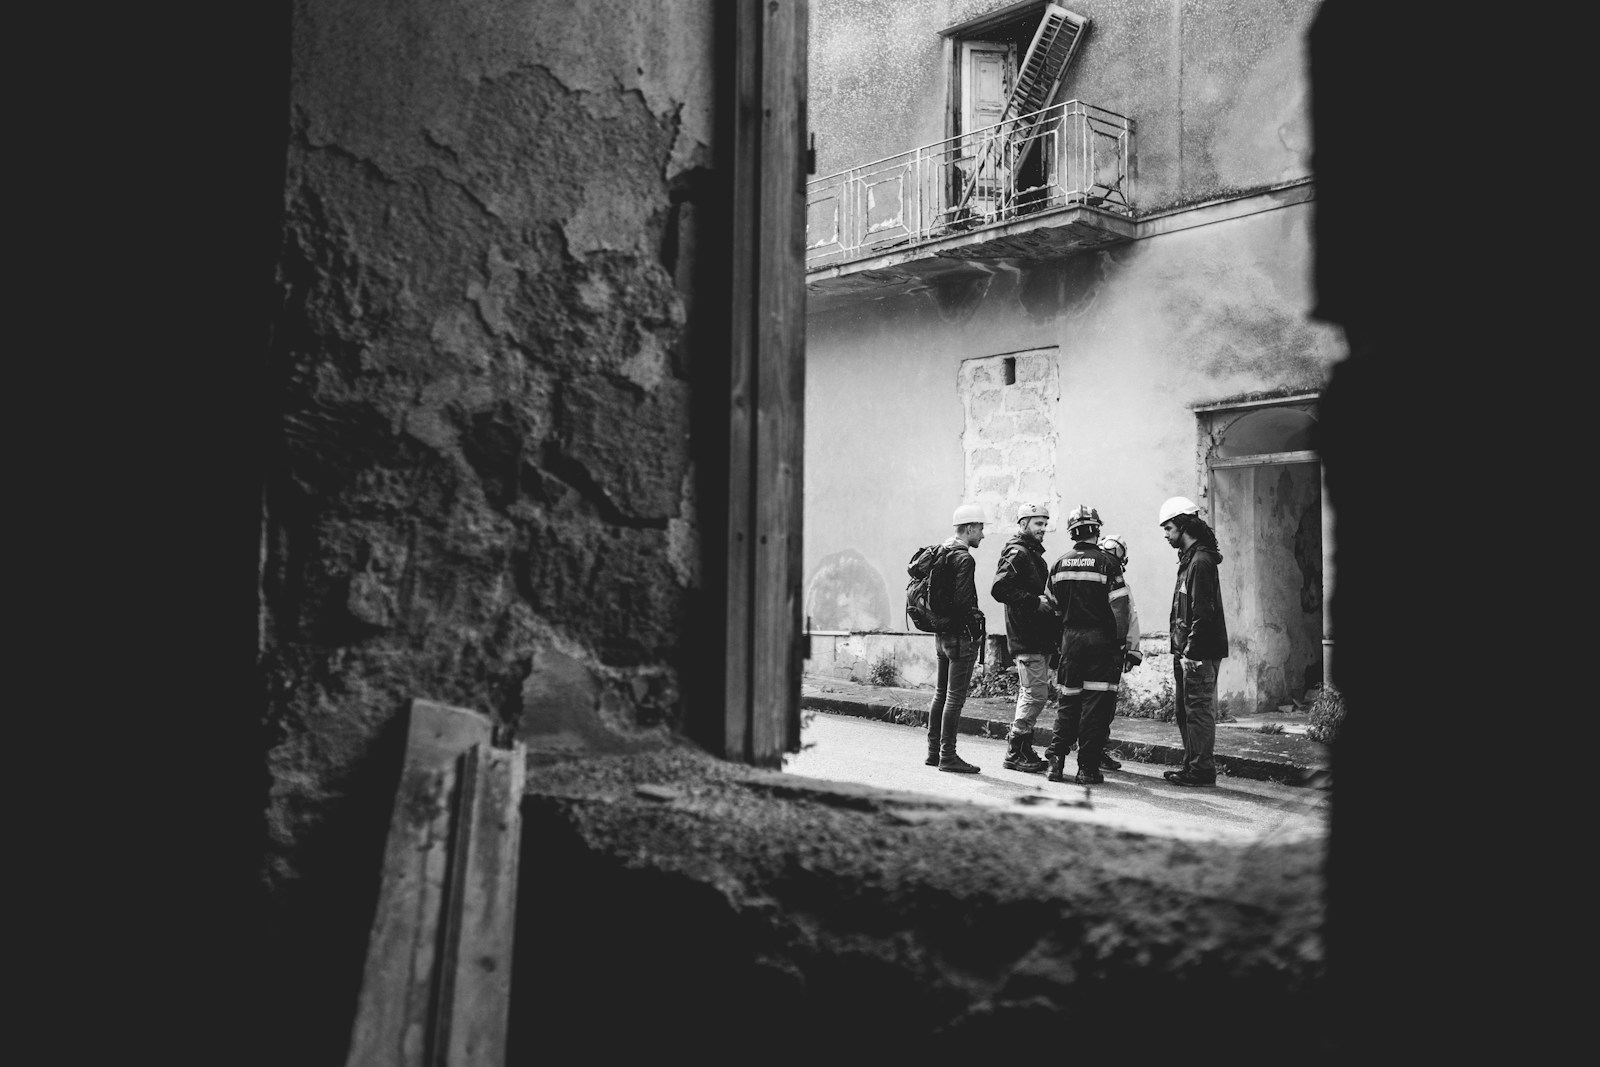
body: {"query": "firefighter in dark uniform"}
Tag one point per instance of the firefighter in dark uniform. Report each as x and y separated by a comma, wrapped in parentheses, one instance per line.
(1092, 599)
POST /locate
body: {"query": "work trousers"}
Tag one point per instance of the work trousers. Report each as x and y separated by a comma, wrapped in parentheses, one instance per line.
(1033, 688)
(1196, 693)
(957, 655)
(1090, 674)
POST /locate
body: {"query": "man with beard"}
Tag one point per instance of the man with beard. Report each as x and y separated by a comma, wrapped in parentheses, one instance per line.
(1031, 629)
(1199, 637)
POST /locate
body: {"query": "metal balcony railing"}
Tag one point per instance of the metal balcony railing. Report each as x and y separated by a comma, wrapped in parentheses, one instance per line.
(1072, 154)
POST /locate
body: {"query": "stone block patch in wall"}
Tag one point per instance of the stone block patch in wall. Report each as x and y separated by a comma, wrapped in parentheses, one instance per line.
(1009, 431)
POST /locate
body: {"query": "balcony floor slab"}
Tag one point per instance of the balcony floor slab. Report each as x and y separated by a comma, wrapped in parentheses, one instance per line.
(1046, 236)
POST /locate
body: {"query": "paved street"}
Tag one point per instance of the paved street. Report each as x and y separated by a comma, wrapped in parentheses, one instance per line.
(890, 756)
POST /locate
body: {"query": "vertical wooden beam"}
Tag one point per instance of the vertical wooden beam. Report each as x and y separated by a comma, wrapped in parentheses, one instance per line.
(766, 383)
(743, 253)
(1328, 576)
(780, 406)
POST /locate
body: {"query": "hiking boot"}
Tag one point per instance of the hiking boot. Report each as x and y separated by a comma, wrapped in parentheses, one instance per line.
(957, 765)
(1024, 764)
(1020, 758)
(1089, 776)
(1109, 764)
(1187, 778)
(1057, 772)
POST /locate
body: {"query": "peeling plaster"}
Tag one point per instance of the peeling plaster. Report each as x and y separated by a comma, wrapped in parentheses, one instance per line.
(655, 51)
(484, 495)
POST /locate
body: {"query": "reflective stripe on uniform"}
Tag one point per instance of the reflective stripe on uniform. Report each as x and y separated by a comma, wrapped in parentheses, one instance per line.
(1078, 576)
(1068, 691)
(1119, 592)
(1102, 687)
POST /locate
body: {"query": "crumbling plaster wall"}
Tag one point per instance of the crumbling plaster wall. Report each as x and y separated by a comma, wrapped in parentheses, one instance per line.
(482, 490)
(1217, 92)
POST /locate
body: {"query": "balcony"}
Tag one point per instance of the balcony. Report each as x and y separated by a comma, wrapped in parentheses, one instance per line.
(1040, 186)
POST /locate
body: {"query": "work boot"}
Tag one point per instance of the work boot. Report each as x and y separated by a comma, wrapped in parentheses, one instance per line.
(1019, 756)
(1187, 778)
(955, 763)
(1057, 771)
(1089, 776)
(1109, 764)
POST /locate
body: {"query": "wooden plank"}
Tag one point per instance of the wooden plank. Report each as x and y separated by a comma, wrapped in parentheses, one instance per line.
(475, 993)
(780, 392)
(399, 987)
(1265, 459)
(1271, 401)
(793, 295)
(744, 250)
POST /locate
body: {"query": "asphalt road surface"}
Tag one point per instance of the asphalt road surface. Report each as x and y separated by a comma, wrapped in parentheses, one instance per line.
(842, 748)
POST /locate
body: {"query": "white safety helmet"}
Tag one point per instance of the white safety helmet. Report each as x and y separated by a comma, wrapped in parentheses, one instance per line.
(1032, 511)
(1175, 506)
(968, 513)
(1115, 545)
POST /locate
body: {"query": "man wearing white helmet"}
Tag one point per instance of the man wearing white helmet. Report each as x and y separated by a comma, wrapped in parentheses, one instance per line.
(1031, 629)
(1086, 584)
(1199, 637)
(954, 600)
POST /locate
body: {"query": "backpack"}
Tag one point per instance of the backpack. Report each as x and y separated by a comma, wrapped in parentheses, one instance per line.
(922, 608)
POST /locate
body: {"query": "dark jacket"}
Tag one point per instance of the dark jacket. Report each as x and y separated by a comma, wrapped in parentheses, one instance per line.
(1019, 581)
(964, 615)
(1198, 628)
(1086, 584)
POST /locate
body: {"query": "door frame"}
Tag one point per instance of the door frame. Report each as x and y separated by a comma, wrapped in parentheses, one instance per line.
(1213, 422)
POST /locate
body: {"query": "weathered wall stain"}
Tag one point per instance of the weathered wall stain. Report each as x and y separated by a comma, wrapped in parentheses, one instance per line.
(846, 592)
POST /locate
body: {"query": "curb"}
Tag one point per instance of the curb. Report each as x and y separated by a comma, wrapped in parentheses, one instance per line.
(1142, 751)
